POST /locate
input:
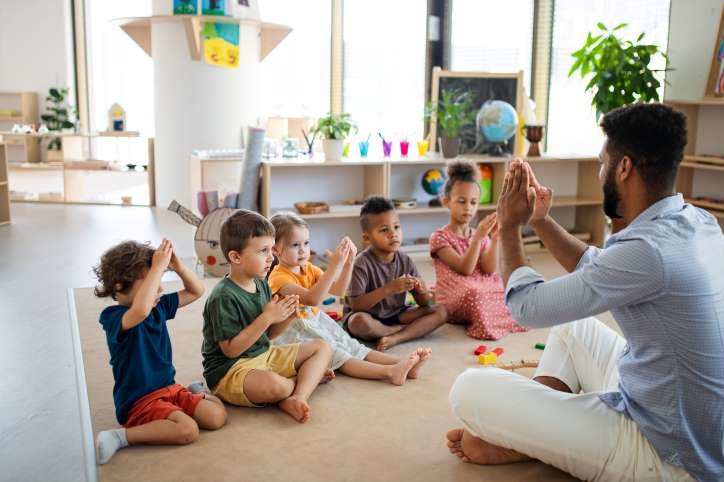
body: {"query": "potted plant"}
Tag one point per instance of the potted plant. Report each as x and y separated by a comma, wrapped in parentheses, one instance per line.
(56, 119)
(619, 69)
(453, 111)
(334, 129)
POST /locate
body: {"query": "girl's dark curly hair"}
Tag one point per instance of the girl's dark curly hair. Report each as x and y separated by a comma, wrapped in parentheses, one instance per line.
(121, 266)
(460, 171)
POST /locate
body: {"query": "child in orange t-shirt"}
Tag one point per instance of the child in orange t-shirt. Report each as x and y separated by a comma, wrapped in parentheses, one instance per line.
(295, 275)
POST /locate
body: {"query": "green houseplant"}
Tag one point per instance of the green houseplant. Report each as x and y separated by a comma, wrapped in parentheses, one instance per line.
(620, 69)
(56, 118)
(334, 129)
(453, 111)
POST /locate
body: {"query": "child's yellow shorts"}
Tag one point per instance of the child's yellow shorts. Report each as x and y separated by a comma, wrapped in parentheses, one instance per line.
(278, 359)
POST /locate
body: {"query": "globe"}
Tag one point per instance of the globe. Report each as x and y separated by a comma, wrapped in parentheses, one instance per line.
(433, 181)
(497, 121)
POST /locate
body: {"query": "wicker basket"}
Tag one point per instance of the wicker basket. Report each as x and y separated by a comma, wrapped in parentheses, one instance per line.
(312, 207)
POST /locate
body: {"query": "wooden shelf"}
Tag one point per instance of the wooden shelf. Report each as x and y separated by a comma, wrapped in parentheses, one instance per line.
(11, 118)
(433, 161)
(695, 102)
(72, 134)
(707, 204)
(34, 166)
(139, 29)
(699, 165)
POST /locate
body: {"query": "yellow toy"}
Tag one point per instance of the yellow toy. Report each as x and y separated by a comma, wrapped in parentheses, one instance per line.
(488, 358)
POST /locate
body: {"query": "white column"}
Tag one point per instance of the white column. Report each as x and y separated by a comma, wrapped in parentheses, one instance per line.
(197, 106)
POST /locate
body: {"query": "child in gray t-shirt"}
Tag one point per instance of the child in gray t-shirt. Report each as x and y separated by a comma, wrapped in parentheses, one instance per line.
(375, 305)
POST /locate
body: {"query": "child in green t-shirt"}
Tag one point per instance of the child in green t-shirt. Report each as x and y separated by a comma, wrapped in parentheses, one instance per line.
(240, 317)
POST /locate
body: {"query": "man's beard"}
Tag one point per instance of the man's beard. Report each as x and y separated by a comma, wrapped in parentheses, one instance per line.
(611, 197)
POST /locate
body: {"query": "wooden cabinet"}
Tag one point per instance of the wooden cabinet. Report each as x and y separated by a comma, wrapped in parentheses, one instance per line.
(701, 174)
(577, 203)
(19, 108)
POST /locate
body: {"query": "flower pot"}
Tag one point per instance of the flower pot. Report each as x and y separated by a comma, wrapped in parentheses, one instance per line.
(333, 149)
(450, 147)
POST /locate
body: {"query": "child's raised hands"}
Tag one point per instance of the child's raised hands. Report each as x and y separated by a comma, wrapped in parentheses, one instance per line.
(162, 255)
(279, 309)
(403, 284)
(338, 257)
(485, 226)
(175, 263)
(352, 251)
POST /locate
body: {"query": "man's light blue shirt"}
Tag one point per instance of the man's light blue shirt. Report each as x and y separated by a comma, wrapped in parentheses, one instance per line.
(662, 278)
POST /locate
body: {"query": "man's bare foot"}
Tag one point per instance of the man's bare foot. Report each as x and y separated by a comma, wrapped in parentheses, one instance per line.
(477, 451)
(424, 354)
(297, 408)
(399, 371)
(328, 376)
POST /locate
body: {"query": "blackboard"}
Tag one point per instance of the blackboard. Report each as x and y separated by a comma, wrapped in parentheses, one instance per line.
(484, 86)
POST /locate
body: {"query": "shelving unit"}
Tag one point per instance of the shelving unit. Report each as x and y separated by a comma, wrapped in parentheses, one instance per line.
(701, 173)
(81, 179)
(4, 189)
(577, 203)
(19, 108)
(139, 29)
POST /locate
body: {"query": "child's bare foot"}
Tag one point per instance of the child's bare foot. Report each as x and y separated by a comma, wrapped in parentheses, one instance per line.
(477, 451)
(297, 408)
(424, 354)
(386, 342)
(391, 329)
(328, 376)
(399, 371)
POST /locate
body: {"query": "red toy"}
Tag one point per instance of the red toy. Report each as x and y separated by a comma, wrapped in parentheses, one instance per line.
(334, 315)
(480, 350)
(498, 351)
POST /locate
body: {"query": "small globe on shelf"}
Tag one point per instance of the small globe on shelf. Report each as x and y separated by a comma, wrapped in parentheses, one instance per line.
(433, 181)
(497, 121)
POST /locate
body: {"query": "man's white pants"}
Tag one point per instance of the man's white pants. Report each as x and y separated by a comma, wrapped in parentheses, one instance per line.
(577, 433)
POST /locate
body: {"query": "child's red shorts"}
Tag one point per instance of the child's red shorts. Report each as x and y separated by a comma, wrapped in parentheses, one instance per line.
(159, 404)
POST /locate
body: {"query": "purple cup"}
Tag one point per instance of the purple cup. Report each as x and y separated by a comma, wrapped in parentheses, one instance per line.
(386, 148)
(404, 146)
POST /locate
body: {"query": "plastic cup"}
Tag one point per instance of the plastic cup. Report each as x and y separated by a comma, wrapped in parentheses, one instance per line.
(422, 147)
(364, 147)
(404, 147)
(386, 148)
(345, 149)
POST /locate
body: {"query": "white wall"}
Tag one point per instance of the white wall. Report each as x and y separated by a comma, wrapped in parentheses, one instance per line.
(36, 47)
(692, 35)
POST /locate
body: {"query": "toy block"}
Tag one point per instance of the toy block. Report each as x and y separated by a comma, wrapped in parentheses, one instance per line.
(514, 365)
(488, 359)
(334, 315)
(498, 351)
(329, 300)
(540, 346)
(480, 349)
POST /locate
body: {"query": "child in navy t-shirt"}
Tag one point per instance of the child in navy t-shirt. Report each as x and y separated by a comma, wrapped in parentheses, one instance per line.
(151, 406)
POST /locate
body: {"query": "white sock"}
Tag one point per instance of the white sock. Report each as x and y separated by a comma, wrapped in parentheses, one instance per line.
(108, 442)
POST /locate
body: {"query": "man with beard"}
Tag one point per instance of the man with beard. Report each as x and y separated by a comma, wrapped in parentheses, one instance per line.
(645, 406)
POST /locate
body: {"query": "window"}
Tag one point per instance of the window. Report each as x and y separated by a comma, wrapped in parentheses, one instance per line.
(384, 66)
(492, 36)
(118, 69)
(572, 126)
(295, 76)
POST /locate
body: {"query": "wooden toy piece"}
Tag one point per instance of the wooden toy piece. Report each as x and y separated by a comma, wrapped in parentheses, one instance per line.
(540, 346)
(514, 365)
(498, 351)
(329, 301)
(480, 349)
(488, 359)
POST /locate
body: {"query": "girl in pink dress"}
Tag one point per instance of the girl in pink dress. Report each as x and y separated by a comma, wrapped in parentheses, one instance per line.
(465, 260)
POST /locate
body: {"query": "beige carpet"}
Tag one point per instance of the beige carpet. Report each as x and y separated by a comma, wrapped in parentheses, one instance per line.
(360, 430)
